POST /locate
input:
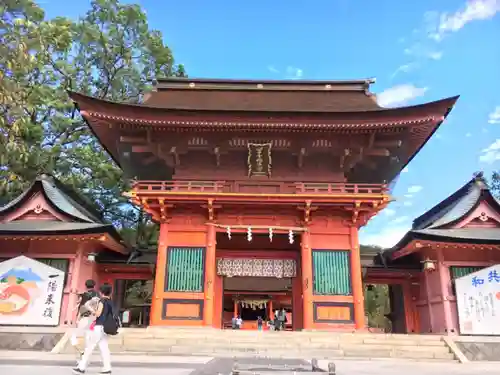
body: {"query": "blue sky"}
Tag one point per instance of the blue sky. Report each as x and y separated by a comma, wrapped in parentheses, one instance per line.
(418, 50)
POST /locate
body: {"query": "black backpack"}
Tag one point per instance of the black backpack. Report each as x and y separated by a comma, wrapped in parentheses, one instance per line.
(111, 322)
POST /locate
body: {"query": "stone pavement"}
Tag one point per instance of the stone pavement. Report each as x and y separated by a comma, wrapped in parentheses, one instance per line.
(29, 363)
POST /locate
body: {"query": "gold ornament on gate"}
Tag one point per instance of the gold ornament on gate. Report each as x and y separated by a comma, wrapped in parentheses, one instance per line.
(259, 159)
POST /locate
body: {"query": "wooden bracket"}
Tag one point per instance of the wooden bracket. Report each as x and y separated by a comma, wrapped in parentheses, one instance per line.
(302, 154)
(211, 207)
(217, 156)
(355, 212)
(164, 210)
(346, 153)
(308, 209)
(175, 155)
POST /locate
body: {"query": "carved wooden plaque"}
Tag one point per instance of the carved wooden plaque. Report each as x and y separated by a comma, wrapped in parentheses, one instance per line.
(259, 159)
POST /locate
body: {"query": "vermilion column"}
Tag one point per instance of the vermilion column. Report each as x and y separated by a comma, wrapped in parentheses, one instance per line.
(210, 266)
(76, 264)
(357, 281)
(307, 281)
(444, 281)
(235, 309)
(161, 269)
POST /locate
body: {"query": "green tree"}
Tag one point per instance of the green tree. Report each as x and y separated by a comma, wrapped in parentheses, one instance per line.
(494, 183)
(110, 53)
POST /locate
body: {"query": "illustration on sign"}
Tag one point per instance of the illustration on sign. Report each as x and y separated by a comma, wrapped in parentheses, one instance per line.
(478, 302)
(30, 293)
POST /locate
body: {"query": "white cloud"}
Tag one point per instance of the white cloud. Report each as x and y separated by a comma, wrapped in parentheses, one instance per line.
(494, 117)
(405, 170)
(294, 73)
(491, 153)
(407, 204)
(435, 55)
(406, 68)
(468, 135)
(414, 189)
(399, 95)
(399, 220)
(408, 195)
(474, 10)
(272, 69)
(389, 212)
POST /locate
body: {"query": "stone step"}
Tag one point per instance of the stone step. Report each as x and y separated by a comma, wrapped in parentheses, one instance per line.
(272, 337)
(155, 342)
(323, 354)
(268, 339)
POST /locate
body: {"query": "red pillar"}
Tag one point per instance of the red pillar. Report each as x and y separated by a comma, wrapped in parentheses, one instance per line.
(235, 312)
(307, 281)
(210, 260)
(357, 281)
(161, 269)
(76, 264)
(444, 281)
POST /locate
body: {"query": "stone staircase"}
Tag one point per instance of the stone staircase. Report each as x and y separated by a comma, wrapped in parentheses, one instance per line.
(316, 344)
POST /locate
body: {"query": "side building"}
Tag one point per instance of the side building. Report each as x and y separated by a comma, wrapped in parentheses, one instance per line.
(455, 238)
(50, 223)
(260, 188)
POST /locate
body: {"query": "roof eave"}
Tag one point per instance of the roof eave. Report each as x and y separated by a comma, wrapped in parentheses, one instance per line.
(90, 104)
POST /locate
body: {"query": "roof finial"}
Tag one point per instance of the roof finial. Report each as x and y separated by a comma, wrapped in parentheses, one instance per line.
(478, 176)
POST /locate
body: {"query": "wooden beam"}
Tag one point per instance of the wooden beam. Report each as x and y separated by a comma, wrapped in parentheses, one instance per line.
(389, 143)
(129, 139)
(377, 152)
(141, 149)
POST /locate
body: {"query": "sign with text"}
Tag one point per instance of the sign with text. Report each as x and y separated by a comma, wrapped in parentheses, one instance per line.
(30, 293)
(478, 302)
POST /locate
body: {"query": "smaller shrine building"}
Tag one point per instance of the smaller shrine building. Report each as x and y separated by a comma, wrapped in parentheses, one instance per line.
(49, 222)
(455, 238)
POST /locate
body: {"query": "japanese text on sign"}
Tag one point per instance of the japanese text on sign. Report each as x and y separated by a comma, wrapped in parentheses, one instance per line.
(493, 277)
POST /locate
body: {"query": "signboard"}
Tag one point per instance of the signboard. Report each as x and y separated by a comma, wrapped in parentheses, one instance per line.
(478, 302)
(30, 293)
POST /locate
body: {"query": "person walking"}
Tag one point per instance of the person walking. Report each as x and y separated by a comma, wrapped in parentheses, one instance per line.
(97, 336)
(86, 306)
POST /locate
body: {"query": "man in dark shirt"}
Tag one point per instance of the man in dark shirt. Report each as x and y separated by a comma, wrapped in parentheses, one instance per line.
(97, 336)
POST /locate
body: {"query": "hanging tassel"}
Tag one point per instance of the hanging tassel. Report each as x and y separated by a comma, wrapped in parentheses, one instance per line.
(249, 234)
(228, 231)
(271, 234)
(290, 237)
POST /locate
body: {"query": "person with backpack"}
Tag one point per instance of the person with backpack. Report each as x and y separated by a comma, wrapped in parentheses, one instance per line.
(106, 324)
(87, 305)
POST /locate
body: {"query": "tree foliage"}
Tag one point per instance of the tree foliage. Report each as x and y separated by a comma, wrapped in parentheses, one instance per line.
(110, 53)
(494, 184)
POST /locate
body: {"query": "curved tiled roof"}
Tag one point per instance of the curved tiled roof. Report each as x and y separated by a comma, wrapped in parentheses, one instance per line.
(456, 206)
(59, 196)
